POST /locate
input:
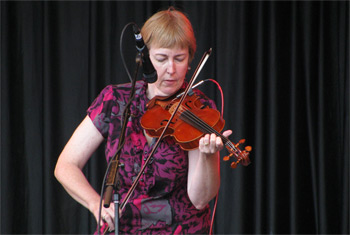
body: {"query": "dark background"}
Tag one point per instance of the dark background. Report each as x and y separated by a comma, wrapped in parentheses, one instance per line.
(284, 70)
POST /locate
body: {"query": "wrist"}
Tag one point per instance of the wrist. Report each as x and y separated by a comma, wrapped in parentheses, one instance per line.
(94, 207)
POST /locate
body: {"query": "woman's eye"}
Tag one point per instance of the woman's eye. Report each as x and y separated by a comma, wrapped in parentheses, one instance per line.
(180, 58)
(160, 59)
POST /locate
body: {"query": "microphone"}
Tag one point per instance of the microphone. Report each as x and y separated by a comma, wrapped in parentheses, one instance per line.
(149, 73)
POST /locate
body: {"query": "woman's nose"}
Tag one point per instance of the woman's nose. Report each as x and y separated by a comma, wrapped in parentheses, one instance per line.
(171, 67)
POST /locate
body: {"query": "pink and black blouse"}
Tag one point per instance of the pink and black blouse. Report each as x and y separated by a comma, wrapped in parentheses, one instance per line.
(160, 204)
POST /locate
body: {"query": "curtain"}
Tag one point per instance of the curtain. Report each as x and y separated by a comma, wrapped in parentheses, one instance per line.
(284, 71)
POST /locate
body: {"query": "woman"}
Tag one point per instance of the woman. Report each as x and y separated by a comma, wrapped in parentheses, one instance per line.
(174, 192)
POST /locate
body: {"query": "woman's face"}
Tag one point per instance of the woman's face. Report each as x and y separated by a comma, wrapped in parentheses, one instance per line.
(171, 65)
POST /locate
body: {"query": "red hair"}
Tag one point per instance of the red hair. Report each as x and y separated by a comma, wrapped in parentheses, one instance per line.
(169, 29)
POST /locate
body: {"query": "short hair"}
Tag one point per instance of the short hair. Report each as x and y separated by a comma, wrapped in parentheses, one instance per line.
(169, 28)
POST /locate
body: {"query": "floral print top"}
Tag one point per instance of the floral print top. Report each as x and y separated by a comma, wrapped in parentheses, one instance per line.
(159, 204)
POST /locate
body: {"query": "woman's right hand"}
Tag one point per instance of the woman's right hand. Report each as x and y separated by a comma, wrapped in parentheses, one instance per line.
(107, 215)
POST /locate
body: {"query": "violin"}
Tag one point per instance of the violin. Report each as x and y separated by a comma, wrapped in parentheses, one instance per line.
(192, 121)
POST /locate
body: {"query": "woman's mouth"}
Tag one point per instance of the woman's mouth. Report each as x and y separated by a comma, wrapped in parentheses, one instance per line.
(170, 82)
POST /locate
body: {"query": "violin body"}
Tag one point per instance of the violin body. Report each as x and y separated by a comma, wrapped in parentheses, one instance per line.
(183, 128)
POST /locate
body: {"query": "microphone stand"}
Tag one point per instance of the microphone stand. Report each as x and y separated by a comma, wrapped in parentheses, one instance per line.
(113, 166)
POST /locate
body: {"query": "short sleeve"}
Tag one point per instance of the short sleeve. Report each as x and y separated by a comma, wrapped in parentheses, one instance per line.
(101, 109)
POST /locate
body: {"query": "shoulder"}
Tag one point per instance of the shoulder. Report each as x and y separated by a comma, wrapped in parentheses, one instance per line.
(114, 96)
(120, 91)
(127, 86)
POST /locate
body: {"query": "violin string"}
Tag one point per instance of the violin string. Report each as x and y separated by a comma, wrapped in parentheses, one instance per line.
(190, 115)
(201, 124)
(204, 126)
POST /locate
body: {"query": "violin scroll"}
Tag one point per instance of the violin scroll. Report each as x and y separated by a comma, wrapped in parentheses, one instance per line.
(241, 156)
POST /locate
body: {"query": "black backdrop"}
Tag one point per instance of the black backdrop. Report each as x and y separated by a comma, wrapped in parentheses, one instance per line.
(284, 70)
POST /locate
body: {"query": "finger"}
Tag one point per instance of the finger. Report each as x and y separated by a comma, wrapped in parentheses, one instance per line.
(219, 144)
(103, 220)
(105, 216)
(206, 140)
(110, 220)
(203, 146)
(214, 143)
(227, 133)
(212, 140)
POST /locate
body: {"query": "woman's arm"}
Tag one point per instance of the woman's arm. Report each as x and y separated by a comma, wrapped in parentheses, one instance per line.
(83, 143)
(204, 170)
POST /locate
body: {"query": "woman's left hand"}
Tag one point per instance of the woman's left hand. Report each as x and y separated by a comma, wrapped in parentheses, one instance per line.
(210, 143)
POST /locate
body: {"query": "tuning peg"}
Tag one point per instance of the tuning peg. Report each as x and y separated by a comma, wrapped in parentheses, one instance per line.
(226, 158)
(240, 142)
(248, 148)
(233, 165)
